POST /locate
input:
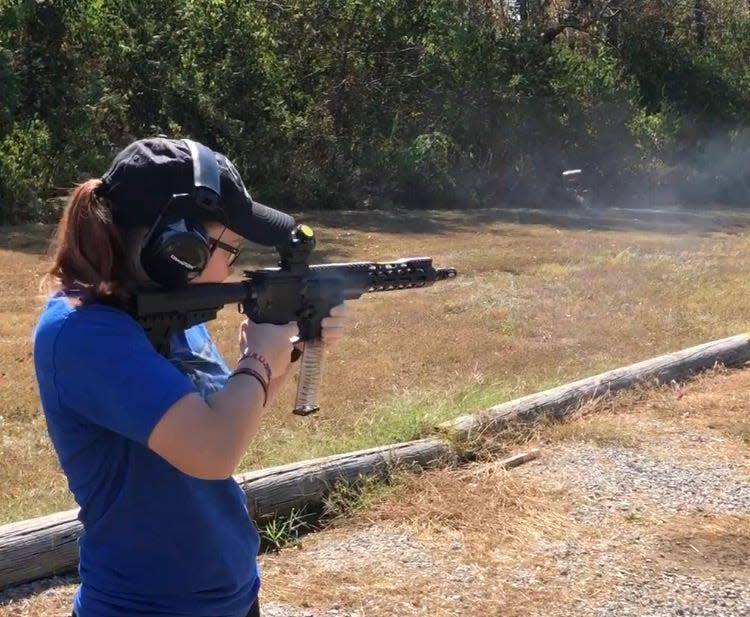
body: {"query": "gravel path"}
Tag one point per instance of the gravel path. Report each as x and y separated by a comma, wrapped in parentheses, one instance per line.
(672, 540)
(625, 479)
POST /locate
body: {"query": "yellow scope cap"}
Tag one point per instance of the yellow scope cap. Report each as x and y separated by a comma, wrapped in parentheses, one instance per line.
(306, 231)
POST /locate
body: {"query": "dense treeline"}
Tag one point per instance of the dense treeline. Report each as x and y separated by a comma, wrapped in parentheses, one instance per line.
(335, 103)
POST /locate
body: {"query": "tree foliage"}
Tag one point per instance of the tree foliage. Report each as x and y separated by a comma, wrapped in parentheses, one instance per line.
(341, 103)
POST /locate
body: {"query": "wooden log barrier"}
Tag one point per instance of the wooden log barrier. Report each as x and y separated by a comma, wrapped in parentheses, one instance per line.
(276, 491)
(39, 547)
(46, 546)
(562, 400)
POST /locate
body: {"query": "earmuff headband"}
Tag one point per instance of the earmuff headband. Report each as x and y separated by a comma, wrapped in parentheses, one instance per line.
(206, 182)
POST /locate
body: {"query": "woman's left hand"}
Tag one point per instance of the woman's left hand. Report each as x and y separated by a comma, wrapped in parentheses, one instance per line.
(332, 327)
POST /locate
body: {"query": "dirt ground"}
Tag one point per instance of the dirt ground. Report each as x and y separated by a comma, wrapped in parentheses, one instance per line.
(639, 506)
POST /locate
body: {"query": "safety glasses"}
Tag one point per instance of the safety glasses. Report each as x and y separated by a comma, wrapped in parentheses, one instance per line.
(234, 252)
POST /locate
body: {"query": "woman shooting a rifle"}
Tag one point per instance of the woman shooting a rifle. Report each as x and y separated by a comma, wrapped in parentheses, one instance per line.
(149, 443)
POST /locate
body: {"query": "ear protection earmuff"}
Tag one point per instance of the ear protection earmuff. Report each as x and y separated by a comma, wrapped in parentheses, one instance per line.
(176, 248)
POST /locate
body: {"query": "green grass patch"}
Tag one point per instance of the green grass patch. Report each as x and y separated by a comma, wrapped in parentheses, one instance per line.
(403, 417)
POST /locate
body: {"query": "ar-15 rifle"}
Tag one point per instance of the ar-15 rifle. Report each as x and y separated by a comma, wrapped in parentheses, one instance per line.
(295, 291)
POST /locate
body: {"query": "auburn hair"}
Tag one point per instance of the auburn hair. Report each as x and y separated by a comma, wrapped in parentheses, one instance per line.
(89, 258)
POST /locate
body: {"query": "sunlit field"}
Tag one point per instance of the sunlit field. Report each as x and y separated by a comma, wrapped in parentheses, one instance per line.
(541, 299)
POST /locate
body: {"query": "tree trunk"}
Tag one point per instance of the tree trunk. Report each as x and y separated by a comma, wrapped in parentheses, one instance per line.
(700, 22)
(523, 10)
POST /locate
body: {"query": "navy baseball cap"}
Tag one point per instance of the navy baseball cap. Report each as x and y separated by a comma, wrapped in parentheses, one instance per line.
(145, 175)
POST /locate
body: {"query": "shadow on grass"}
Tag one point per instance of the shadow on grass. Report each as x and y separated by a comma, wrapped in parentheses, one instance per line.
(668, 219)
(34, 238)
(30, 590)
(31, 238)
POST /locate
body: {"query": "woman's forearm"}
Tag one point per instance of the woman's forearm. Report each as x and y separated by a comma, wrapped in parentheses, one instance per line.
(207, 438)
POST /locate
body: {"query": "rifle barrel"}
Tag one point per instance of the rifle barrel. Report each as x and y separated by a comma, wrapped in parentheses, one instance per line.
(369, 277)
(356, 278)
(442, 274)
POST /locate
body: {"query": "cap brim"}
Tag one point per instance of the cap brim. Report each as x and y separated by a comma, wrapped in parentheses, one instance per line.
(262, 225)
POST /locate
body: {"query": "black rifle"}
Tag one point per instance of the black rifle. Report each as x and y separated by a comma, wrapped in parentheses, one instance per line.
(295, 291)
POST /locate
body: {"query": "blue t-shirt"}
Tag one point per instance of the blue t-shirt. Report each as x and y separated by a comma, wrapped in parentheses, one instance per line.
(156, 541)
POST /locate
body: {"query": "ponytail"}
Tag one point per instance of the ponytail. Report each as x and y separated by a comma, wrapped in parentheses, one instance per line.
(90, 261)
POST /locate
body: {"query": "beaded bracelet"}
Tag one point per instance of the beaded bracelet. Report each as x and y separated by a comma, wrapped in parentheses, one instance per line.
(243, 370)
(259, 358)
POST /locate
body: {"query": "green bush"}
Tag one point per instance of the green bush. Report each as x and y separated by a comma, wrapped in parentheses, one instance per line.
(25, 173)
(419, 172)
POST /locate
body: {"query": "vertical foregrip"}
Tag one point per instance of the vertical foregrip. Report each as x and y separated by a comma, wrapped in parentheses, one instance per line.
(310, 329)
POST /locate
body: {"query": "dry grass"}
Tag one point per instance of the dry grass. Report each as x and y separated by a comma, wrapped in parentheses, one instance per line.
(714, 404)
(430, 554)
(484, 541)
(535, 305)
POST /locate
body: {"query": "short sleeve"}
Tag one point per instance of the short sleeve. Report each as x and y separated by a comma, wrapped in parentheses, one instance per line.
(107, 371)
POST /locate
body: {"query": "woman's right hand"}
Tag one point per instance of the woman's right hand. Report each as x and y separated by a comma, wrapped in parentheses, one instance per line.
(270, 341)
(210, 445)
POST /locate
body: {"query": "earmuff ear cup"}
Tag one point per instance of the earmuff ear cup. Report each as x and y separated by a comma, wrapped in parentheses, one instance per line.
(176, 249)
(176, 252)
